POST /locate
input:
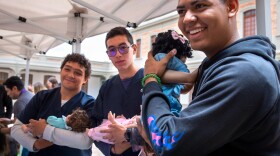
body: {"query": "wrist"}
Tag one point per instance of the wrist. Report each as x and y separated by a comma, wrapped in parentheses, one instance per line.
(127, 134)
(150, 77)
(35, 148)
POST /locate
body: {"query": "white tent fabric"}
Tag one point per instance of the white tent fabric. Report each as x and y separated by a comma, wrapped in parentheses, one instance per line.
(73, 21)
(25, 45)
(34, 26)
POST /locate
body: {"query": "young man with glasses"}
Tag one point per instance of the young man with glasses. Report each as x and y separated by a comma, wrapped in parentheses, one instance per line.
(122, 93)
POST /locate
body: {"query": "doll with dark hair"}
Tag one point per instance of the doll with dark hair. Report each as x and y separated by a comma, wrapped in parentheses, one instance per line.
(78, 121)
(165, 42)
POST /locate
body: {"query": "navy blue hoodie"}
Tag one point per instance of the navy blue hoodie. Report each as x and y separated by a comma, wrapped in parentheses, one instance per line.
(235, 108)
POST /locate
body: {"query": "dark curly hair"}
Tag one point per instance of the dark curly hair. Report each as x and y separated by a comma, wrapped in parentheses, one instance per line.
(165, 42)
(81, 60)
(78, 120)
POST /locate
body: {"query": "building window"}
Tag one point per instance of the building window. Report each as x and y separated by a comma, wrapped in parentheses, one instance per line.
(3, 77)
(153, 39)
(30, 81)
(138, 52)
(250, 23)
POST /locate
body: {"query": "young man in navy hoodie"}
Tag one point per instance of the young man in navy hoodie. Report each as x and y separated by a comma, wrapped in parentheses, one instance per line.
(235, 108)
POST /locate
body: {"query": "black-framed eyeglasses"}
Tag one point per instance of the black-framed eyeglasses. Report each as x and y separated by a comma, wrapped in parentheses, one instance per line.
(123, 49)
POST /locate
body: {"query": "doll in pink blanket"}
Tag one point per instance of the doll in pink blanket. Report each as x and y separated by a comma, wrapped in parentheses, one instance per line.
(95, 134)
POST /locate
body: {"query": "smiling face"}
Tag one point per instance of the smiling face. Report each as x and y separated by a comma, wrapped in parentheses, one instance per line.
(208, 24)
(121, 61)
(73, 76)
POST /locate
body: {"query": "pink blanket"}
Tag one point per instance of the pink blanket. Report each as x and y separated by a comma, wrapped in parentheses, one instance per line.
(95, 134)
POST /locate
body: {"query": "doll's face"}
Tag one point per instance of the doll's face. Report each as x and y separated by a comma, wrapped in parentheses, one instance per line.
(68, 118)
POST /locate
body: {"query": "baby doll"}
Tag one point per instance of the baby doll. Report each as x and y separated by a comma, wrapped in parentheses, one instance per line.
(165, 42)
(95, 134)
(78, 121)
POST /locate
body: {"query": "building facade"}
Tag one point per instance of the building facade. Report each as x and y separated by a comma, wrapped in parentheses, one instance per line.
(42, 67)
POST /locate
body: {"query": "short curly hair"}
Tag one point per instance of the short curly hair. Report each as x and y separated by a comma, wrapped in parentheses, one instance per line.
(81, 60)
(165, 42)
(79, 120)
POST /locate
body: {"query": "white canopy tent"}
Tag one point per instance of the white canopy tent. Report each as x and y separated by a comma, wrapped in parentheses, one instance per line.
(72, 21)
(69, 21)
(25, 45)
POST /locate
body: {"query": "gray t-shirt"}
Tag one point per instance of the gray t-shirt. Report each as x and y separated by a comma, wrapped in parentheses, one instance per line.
(22, 101)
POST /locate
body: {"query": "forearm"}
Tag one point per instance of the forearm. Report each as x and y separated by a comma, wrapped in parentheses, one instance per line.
(61, 137)
(6, 121)
(171, 76)
(24, 139)
(5, 130)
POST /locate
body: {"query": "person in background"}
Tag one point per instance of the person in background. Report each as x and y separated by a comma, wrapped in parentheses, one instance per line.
(30, 88)
(15, 90)
(38, 86)
(236, 99)
(52, 83)
(6, 109)
(75, 71)
(6, 104)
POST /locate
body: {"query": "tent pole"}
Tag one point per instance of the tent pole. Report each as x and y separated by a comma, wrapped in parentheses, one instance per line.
(263, 15)
(27, 73)
(79, 27)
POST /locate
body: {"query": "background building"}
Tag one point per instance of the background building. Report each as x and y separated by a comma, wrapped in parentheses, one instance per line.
(42, 67)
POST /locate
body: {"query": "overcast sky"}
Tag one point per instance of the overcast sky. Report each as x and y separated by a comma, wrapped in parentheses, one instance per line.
(93, 48)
